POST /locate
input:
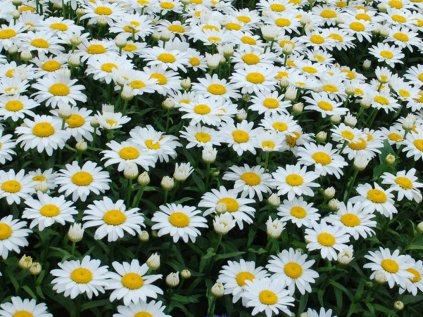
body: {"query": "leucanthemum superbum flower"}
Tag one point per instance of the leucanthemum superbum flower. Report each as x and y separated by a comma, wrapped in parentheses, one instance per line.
(156, 309)
(375, 198)
(405, 183)
(239, 136)
(299, 212)
(23, 307)
(13, 235)
(15, 186)
(7, 145)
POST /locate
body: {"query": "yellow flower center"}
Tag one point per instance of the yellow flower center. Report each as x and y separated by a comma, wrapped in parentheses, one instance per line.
(309, 69)
(96, 49)
(268, 297)
(416, 275)
(361, 144)
(14, 105)
(39, 178)
(251, 179)
(43, 130)
(137, 84)
(59, 26)
(75, 121)
(404, 182)
(280, 126)
(395, 137)
(243, 18)
(194, 61)
(404, 93)
(350, 220)
(418, 144)
(248, 40)
(322, 158)
(240, 136)
(202, 109)
(243, 277)
(386, 54)
(114, 217)
(293, 270)
(179, 219)
(268, 144)
(399, 18)
(59, 90)
(277, 7)
(108, 67)
(326, 239)
(400, 36)
(233, 26)
(251, 59)
(5, 231)
(152, 145)
(317, 39)
(161, 79)
(40, 43)
(129, 47)
(166, 58)
(214, 39)
(282, 22)
(294, 180)
(167, 5)
(255, 78)
(395, 4)
(51, 66)
(325, 105)
(26, 8)
(23, 313)
(230, 203)
(82, 178)
(271, 103)
(328, 14)
(81, 276)
(216, 89)
(298, 212)
(143, 314)
(7, 34)
(49, 210)
(377, 196)
(103, 10)
(357, 26)
(347, 134)
(132, 281)
(129, 153)
(10, 73)
(111, 122)
(420, 76)
(329, 88)
(176, 28)
(390, 266)
(202, 137)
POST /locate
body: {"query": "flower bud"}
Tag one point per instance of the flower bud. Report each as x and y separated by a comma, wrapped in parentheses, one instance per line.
(172, 280)
(80, 12)
(365, 103)
(345, 256)
(291, 93)
(350, 90)
(333, 204)
(287, 49)
(321, 137)
(81, 146)
(304, 314)
(399, 305)
(17, 2)
(274, 200)
(228, 50)
(75, 40)
(223, 223)
(182, 172)
(218, 290)
(102, 21)
(76, 232)
(409, 121)
(185, 273)
(367, 64)
(16, 14)
(143, 179)
(297, 108)
(361, 161)
(420, 227)
(13, 49)
(167, 183)
(25, 262)
(153, 262)
(130, 171)
(269, 32)
(274, 228)
(209, 154)
(121, 40)
(213, 61)
(26, 55)
(329, 193)
(186, 84)
(74, 60)
(127, 93)
(350, 120)
(380, 277)
(382, 7)
(241, 115)
(220, 208)
(155, 36)
(390, 159)
(35, 268)
(94, 122)
(165, 36)
(143, 236)
(384, 31)
(168, 104)
(65, 111)
(284, 82)
(335, 119)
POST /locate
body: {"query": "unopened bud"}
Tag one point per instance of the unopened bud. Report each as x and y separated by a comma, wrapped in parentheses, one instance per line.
(241, 115)
(76, 232)
(284, 82)
(220, 208)
(367, 64)
(209, 154)
(153, 262)
(102, 21)
(41, 187)
(333, 204)
(274, 228)
(167, 183)
(350, 90)
(35, 268)
(185, 273)
(65, 111)
(168, 104)
(380, 277)
(127, 93)
(390, 159)
(274, 200)
(291, 93)
(130, 171)
(321, 137)
(25, 262)
(297, 108)
(81, 146)
(143, 179)
(350, 120)
(172, 280)
(143, 236)
(329, 193)
(94, 122)
(26, 55)
(420, 227)
(74, 60)
(335, 119)
(186, 84)
(121, 40)
(218, 290)
(75, 40)
(13, 49)
(399, 305)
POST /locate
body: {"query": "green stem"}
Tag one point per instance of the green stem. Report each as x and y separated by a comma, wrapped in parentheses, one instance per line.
(350, 185)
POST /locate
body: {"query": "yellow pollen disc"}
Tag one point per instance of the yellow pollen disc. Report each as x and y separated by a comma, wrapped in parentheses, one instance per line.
(404, 93)
(251, 59)
(7, 34)
(357, 26)
(395, 4)
(240, 136)
(309, 69)
(293, 270)
(363, 16)
(347, 134)
(416, 275)
(179, 219)
(81, 276)
(251, 179)
(400, 36)
(167, 5)
(381, 100)
(387, 54)
(336, 37)
(82, 178)
(325, 105)
(282, 22)
(210, 27)
(395, 137)
(214, 39)
(161, 79)
(25, 8)
(268, 144)
(277, 7)
(255, 78)
(280, 126)
(243, 19)
(328, 14)
(390, 266)
(404, 182)
(233, 26)
(317, 39)
(14, 105)
(143, 314)
(40, 43)
(103, 11)
(358, 145)
(39, 178)
(322, 158)
(114, 217)
(267, 297)
(10, 73)
(377, 196)
(43, 130)
(294, 180)
(420, 76)
(111, 122)
(5, 231)
(166, 58)
(326, 239)
(216, 89)
(22, 313)
(321, 58)
(399, 18)
(202, 137)
(152, 145)
(129, 47)
(418, 144)
(129, 153)
(59, 90)
(108, 67)
(194, 61)
(51, 66)
(350, 220)
(298, 212)
(132, 281)
(329, 88)
(271, 103)
(231, 204)
(75, 121)
(49, 210)
(202, 109)
(59, 26)
(137, 84)
(248, 40)
(341, 4)
(176, 28)
(243, 277)
(283, 42)
(96, 49)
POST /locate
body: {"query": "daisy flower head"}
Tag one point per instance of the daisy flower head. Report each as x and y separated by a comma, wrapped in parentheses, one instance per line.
(320, 313)
(375, 198)
(43, 133)
(268, 103)
(23, 307)
(414, 145)
(326, 161)
(327, 239)
(76, 277)
(15, 186)
(392, 264)
(108, 119)
(13, 235)
(391, 55)
(414, 283)
(11, 34)
(250, 181)
(178, 221)
(102, 10)
(299, 212)
(153, 308)
(254, 79)
(82, 181)
(132, 283)
(357, 222)
(269, 296)
(16, 107)
(294, 180)
(293, 270)
(43, 180)
(322, 103)
(239, 136)
(112, 219)
(269, 141)
(282, 124)
(415, 75)
(238, 207)
(405, 183)
(199, 136)
(213, 86)
(46, 210)
(7, 145)
(236, 274)
(42, 42)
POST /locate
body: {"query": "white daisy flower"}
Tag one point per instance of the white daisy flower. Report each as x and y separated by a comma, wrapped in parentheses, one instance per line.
(16, 107)
(7, 145)
(254, 79)
(299, 212)
(405, 183)
(153, 308)
(414, 145)
(239, 136)
(212, 86)
(13, 235)
(414, 283)
(321, 313)
(375, 199)
(15, 186)
(200, 136)
(23, 308)
(43, 179)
